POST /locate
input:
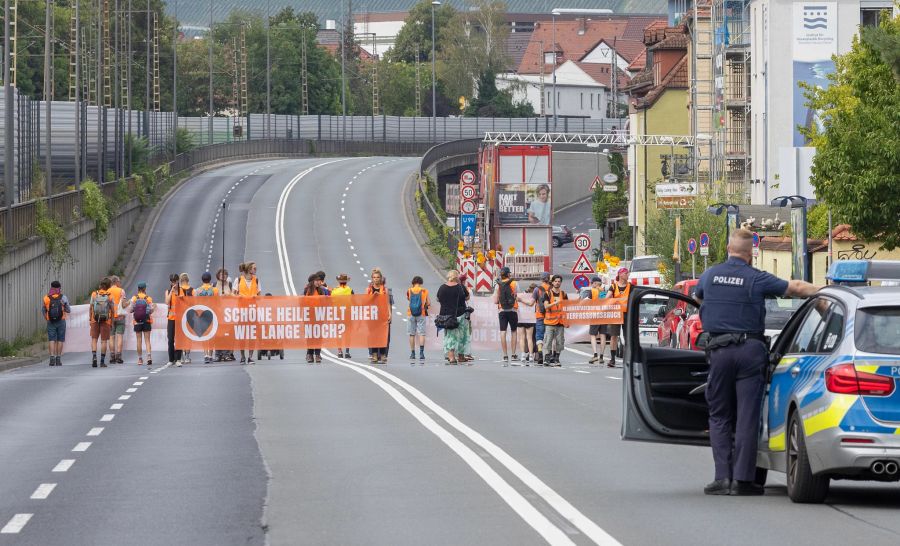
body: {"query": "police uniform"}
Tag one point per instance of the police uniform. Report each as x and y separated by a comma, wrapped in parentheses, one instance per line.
(733, 312)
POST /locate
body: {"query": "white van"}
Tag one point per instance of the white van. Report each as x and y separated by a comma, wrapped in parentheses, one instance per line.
(644, 271)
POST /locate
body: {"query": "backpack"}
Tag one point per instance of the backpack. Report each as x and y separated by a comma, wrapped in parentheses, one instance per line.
(206, 292)
(55, 309)
(141, 310)
(187, 291)
(415, 303)
(507, 297)
(100, 307)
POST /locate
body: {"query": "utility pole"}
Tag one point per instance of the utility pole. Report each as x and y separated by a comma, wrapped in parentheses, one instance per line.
(76, 60)
(374, 80)
(433, 78)
(268, 73)
(243, 105)
(101, 141)
(117, 98)
(209, 38)
(128, 103)
(175, 86)
(418, 80)
(9, 140)
(304, 78)
(343, 76)
(543, 102)
(235, 81)
(48, 94)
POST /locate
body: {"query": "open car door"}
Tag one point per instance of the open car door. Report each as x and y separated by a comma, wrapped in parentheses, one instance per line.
(664, 387)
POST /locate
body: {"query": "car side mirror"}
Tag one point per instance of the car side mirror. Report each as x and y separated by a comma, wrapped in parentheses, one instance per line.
(703, 340)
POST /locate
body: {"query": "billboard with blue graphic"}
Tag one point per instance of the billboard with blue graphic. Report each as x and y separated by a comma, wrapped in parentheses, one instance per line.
(815, 41)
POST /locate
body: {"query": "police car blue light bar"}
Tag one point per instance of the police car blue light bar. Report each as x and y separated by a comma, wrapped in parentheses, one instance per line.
(856, 271)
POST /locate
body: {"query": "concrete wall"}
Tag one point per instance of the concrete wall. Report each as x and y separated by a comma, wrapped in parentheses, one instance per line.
(573, 173)
(25, 271)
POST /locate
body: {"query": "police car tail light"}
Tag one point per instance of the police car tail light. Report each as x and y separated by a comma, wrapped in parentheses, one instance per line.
(845, 379)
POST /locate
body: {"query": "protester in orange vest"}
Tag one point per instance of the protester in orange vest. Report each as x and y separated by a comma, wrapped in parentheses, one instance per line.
(377, 286)
(100, 312)
(506, 298)
(597, 332)
(224, 286)
(555, 329)
(314, 288)
(141, 306)
(56, 310)
(118, 325)
(247, 287)
(342, 290)
(538, 294)
(417, 311)
(621, 288)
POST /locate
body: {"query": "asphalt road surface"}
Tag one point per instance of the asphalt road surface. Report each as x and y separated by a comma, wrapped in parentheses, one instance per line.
(282, 452)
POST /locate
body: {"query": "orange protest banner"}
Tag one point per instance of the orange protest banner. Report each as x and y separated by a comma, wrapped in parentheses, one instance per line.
(603, 311)
(281, 322)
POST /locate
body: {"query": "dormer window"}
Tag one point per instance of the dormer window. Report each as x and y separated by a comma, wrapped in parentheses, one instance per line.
(548, 58)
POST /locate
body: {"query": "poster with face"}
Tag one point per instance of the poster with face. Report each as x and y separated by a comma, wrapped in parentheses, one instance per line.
(511, 208)
(538, 198)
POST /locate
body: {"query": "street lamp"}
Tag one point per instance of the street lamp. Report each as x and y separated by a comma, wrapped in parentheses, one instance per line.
(731, 211)
(800, 263)
(433, 98)
(567, 11)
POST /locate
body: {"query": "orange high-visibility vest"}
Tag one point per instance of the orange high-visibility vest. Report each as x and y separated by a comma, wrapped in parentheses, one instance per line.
(553, 315)
(542, 290)
(248, 290)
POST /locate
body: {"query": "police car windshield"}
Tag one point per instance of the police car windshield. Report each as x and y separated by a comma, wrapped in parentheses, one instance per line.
(779, 310)
(644, 264)
(878, 330)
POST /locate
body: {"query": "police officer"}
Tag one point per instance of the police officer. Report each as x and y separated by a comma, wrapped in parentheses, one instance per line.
(732, 310)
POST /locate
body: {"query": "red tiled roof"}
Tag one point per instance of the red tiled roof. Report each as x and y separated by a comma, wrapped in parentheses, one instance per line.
(601, 73)
(677, 78)
(639, 63)
(842, 232)
(677, 41)
(574, 46)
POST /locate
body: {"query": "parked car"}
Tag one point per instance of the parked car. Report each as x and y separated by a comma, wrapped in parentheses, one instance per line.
(650, 320)
(831, 406)
(644, 271)
(562, 235)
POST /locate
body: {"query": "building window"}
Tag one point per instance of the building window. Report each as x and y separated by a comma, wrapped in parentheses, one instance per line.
(557, 100)
(592, 101)
(548, 58)
(871, 17)
(548, 99)
(581, 97)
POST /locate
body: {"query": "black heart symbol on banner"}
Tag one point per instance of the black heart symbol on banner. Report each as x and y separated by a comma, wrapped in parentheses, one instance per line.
(199, 321)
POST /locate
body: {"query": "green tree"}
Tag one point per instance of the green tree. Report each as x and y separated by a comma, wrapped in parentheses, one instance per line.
(414, 39)
(472, 43)
(605, 204)
(856, 169)
(494, 103)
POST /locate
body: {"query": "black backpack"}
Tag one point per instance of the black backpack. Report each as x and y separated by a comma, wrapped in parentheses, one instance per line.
(55, 309)
(507, 296)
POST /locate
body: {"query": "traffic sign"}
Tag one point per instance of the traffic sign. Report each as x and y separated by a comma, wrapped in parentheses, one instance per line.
(610, 178)
(595, 183)
(581, 282)
(468, 192)
(704, 239)
(676, 190)
(675, 202)
(755, 240)
(583, 265)
(692, 245)
(582, 242)
(610, 187)
(467, 206)
(467, 225)
(467, 177)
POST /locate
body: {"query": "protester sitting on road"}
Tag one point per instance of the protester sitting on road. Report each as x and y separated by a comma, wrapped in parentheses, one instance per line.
(56, 311)
(171, 293)
(596, 331)
(223, 285)
(417, 311)
(248, 287)
(538, 294)
(207, 290)
(118, 325)
(101, 315)
(314, 288)
(452, 297)
(342, 290)
(526, 329)
(555, 329)
(142, 307)
(377, 286)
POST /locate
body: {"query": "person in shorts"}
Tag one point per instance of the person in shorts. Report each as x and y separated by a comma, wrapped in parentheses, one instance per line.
(101, 313)
(118, 325)
(417, 311)
(56, 310)
(506, 298)
(526, 330)
(597, 332)
(141, 307)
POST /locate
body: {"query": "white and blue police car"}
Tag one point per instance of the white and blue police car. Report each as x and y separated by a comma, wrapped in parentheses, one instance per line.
(831, 409)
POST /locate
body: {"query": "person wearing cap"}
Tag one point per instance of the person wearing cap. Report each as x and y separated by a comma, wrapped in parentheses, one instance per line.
(539, 293)
(206, 290)
(595, 331)
(506, 298)
(620, 288)
(141, 307)
(117, 293)
(56, 310)
(342, 290)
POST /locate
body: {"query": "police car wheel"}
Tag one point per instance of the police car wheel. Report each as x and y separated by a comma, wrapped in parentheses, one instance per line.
(803, 486)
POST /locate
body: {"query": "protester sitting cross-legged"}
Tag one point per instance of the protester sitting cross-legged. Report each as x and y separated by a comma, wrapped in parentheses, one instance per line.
(452, 316)
(342, 290)
(56, 311)
(141, 306)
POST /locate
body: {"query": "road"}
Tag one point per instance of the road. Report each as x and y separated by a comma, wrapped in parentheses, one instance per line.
(282, 452)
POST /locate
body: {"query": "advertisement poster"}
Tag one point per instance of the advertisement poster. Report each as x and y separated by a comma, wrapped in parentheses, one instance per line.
(815, 41)
(524, 204)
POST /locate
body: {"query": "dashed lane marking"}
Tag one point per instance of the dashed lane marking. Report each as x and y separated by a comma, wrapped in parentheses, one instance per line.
(581, 371)
(125, 397)
(81, 446)
(96, 431)
(144, 378)
(116, 406)
(63, 465)
(43, 491)
(613, 377)
(16, 524)
(138, 383)
(108, 417)
(131, 390)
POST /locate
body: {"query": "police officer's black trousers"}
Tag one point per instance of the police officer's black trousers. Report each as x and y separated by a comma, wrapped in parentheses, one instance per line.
(734, 394)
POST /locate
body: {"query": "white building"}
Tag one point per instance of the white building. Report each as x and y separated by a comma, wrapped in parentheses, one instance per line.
(794, 41)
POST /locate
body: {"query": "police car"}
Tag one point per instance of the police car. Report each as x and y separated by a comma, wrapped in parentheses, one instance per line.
(831, 409)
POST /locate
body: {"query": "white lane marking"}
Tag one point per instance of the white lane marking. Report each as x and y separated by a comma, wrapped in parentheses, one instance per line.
(116, 406)
(138, 383)
(81, 446)
(127, 396)
(580, 371)
(108, 417)
(16, 524)
(63, 465)
(550, 532)
(144, 378)
(283, 259)
(576, 351)
(557, 502)
(132, 389)
(613, 377)
(96, 431)
(351, 247)
(43, 491)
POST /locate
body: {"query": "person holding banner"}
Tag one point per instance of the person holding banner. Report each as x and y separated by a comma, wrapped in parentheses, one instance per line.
(620, 288)
(596, 292)
(538, 294)
(554, 324)
(343, 290)
(224, 286)
(314, 288)
(248, 287)
(377, 286)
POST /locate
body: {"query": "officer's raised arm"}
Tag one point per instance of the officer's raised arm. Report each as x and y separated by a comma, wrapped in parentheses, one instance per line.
(801, 289)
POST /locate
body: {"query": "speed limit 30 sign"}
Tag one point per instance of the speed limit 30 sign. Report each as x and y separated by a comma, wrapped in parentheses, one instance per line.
(582, 242)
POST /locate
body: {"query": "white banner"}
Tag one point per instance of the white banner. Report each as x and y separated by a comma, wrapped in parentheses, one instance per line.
(78, 330)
